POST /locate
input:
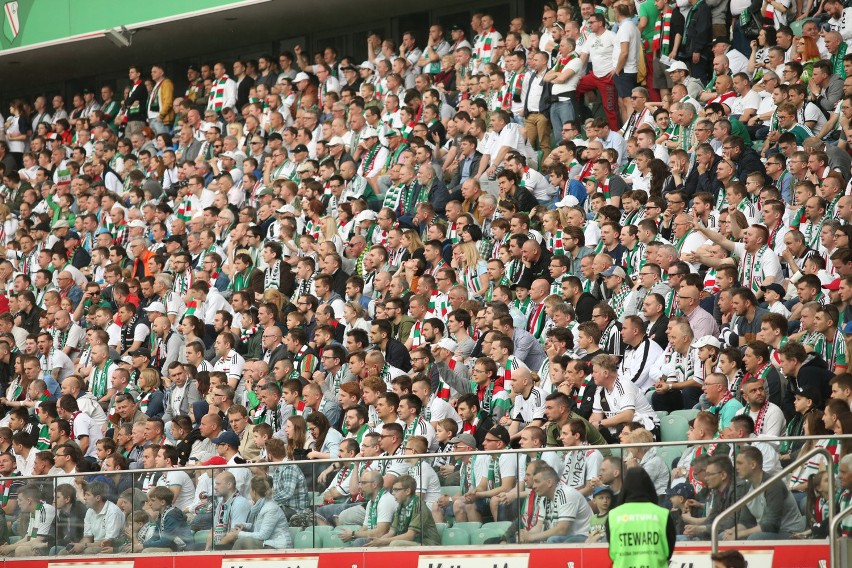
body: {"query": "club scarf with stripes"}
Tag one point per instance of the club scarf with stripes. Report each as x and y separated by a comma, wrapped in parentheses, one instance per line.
(661, 43)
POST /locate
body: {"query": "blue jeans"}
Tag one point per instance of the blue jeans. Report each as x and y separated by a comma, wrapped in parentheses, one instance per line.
(560, 113)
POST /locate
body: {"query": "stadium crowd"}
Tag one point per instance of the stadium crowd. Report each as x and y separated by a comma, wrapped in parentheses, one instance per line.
(563, 234)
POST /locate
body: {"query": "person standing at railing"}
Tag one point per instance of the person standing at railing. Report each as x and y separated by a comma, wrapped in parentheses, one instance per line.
(774, 513)
(639, 532)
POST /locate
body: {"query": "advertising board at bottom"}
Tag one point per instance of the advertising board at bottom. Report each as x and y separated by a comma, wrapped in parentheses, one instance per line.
(777, 555)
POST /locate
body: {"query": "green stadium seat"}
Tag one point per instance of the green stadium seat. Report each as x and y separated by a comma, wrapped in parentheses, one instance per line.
(688, 413)
(499, 525)
(670, 453)
(480, 536)
(331, 540)
(797, 26)
(468, 526)
(294, 531)
(661, 414)
(455, 537)
(200, 537)
(305, 539)
(441, 528)
(451, 490)
(674, 428)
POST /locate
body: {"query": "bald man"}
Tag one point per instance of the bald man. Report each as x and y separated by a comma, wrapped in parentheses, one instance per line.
(537, 320)
(68, 337)
(536, 261)
(273, 349)
(168, 344)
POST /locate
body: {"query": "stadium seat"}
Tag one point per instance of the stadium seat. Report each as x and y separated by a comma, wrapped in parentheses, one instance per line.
(670, 454)
(451, 490)
(294, 531)
(441, 528)
(688, 413)
(674, 428)
(305, 539)
(468, 526)
(661, 414)
(499, 525)
(797, 26)
(483, 534)
(455, 537)
(331, 540)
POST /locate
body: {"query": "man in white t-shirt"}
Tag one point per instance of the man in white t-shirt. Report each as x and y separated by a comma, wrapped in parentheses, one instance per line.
(625, 59)
(745, 104)
(565, 513)
(178, 482)
(598, 48)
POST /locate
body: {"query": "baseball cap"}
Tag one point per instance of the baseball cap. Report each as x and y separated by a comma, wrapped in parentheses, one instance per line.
(366, 215)
(228, 154)
(215, 460)
(456, 27)
(227, 437)
(812, 394)
(71, 235)
(777, 288)
(677, 66)
(43, 227)
(707, 341)
(602, 489)
(685, 490)
(127, 359)
(448, 344)
(466, 439)
(501, 433)
(335, 141)
(61, 224)
(156, 307)
(832, 286)
(306, 167)
(614, 271)
(301, 76)
(369, 132)
(368, 65)
(141, 352)
(392, 133)
(137, 223)
(300, 148)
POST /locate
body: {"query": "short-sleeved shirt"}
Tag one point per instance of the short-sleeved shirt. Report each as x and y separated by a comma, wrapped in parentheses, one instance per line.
(109, 523)
(186, 496)
(627, 33)
(769, 263)
(600, 50)
(525, 410)
(626, 396)
(580, 465)
(649, 10)
(385, 511)
(41, 520)
(567, 504)
(85, 426)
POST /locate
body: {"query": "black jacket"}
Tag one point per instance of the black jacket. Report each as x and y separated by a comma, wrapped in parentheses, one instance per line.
(397, 355)
(657, 332)
(749, 163)
(698, 32)
(524, 200)
(813, 374)
(584, 306)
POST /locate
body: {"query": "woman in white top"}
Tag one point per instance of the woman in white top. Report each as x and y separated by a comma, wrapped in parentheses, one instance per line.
(471, 270)
(16, 130)
(353, 315)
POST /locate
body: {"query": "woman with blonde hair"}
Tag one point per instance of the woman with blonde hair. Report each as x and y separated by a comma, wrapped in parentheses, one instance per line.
(274, 297)
(354, 315)
(8, 224)
(471, 270)
(150, 396)
(551, 226)
(328, 233)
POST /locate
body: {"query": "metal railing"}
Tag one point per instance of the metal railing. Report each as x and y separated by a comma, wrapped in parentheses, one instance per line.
(834, 548)
(800, 459)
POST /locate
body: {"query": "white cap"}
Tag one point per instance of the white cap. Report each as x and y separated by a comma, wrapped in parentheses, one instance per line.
(301, 76)
(369, 132)
(677, 66)
(707, 341)
(447, 344)
(335, 141)
(228, 154)
(568, 201)
(366, 215)
(156, 307)
(137, 223)
(368, 65)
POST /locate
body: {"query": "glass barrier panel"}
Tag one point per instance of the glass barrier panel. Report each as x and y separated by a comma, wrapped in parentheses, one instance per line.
(449, 500)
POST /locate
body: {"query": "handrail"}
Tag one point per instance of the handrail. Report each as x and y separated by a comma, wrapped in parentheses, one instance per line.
(714, 528)
(835, 522)
(329, 461)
